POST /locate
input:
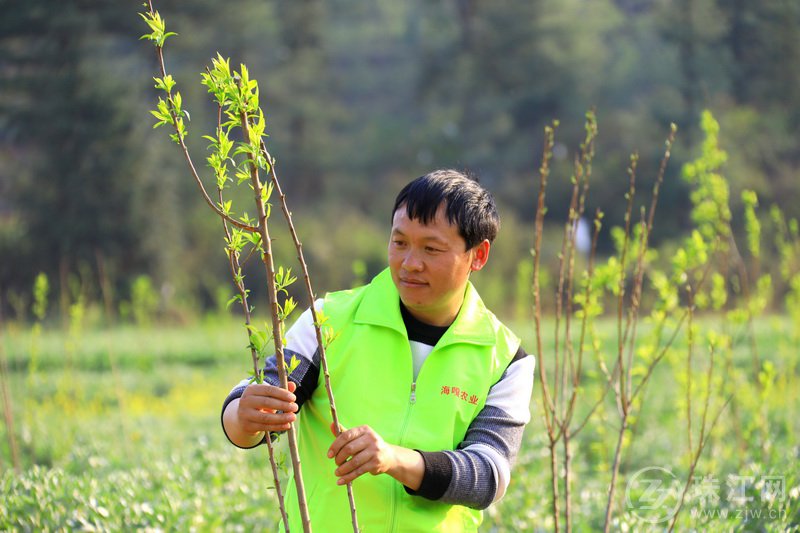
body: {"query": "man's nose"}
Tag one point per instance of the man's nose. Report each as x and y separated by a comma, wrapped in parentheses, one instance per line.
(412, 261)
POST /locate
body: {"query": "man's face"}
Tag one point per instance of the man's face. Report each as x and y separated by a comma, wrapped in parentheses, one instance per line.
(430, 266)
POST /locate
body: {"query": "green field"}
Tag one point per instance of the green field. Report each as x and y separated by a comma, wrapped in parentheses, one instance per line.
(120, 429)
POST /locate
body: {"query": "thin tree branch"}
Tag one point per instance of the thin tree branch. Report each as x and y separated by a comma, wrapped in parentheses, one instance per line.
(182, 144)
(620, 385)
(701, 446)
(317, 323)
(584, 322)
(277, 325)
(548, 408)
(236, 268)
(544, 172)
(689, 350)
(563, 262)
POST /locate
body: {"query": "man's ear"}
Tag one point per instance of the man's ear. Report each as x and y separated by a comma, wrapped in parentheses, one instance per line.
(480, 255)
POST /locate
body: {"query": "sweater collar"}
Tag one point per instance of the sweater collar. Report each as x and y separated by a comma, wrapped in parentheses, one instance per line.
(472, 324)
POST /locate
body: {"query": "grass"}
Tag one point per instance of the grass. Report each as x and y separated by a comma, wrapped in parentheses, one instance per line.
(141, 446)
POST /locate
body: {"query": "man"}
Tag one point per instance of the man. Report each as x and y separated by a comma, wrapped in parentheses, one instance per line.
(433, 388)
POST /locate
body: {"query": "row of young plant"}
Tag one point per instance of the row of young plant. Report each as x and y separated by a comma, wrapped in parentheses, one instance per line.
(707, 275)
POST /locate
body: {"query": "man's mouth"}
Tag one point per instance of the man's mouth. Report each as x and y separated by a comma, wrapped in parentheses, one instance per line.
(412, 282)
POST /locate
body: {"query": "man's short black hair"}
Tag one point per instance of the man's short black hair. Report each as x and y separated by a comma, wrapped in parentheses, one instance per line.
(468, 206)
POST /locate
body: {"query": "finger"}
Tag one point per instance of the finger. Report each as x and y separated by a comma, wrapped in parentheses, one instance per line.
(255, 429)
(353, 448)
(344, 437)
(262, 403)
(292, 386)
(271, 391)
(360, 459)
(361, 470)
(333, 430)
(260, 418)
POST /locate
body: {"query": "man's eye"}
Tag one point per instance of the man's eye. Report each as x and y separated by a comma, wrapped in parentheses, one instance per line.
(398, 243)
(431, 249)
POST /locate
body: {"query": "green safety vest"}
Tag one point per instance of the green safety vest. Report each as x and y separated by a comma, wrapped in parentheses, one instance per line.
(371, 373)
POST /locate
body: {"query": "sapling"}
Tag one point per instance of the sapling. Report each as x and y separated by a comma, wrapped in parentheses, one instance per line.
(237, 99)
(548, 409)
(584, 301)
(233, 251)
(691, 269)
(704, 432)
(628, 312)
(324, 338)
(742, 288)
(559, 406)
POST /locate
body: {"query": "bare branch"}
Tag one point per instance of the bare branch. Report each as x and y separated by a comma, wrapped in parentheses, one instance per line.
(620, 387)
(544, 172)
(277, 325)
(317, 323)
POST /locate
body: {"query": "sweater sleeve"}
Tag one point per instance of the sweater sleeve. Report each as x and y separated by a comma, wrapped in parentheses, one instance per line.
(476, 474)
(301, 342)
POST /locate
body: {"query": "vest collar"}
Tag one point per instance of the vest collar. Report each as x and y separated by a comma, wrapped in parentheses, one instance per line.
(472, 324)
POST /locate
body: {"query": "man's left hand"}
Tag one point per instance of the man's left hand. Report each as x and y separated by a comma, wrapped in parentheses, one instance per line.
(360, 450)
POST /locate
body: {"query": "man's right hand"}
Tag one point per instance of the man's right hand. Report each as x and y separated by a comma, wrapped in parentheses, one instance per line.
(248, 417)
(258, 405)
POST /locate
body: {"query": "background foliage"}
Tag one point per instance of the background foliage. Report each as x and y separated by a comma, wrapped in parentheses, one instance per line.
(362, 97)
(115, 342)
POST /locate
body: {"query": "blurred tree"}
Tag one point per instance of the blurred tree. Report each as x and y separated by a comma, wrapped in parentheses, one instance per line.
(494, 73)
(299, 84)
(764, 41)
(762, 123)
(360, 98)
(67, 122)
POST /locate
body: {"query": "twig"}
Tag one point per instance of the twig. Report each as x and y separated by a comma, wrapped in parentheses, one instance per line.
(567, 482)
(277, 325)
(624, 394)
(563, 260)
(544, 172)
(582, 173)
(185, 150)
(263, 230)
(614, 472)
(619, 374)
(317, 324)
(622, 278)
(584, 325)
(700, 447)
(547, 407)
(636, 300)
(568, 248)
(236, 268)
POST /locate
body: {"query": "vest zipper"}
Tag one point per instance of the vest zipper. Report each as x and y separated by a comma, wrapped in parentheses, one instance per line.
(397, 493)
